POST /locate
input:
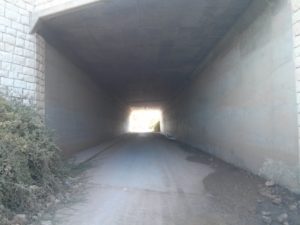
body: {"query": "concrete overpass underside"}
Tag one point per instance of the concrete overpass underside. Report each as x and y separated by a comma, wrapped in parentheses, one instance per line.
(223, 73)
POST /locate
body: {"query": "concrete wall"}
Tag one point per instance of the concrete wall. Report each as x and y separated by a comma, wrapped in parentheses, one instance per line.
(79, 112)
(241, 104)
(296, 38)
(21, 54)
(60, 4)
(51, 8)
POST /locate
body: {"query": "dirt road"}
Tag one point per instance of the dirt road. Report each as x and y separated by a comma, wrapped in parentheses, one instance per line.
(150, 180)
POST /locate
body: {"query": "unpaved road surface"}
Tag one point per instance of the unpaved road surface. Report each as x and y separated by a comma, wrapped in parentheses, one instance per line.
(150, 180)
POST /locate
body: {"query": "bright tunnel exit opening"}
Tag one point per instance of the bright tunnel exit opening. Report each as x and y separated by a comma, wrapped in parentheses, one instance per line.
(145, 120)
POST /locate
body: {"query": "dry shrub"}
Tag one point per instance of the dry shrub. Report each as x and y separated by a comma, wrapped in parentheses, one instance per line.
(31, 166)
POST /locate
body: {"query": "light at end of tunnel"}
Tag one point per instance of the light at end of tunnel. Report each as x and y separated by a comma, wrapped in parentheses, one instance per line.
(143, 120)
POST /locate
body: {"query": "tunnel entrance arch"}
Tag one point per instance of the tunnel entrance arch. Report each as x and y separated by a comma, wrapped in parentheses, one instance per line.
(148, 54)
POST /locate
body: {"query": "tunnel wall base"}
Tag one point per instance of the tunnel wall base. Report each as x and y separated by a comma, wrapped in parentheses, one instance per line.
(241, 105)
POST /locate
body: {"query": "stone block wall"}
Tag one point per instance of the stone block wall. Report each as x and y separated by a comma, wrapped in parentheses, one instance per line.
(21, 53)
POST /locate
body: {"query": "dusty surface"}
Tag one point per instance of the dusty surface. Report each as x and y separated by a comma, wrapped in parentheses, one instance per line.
(149, 180)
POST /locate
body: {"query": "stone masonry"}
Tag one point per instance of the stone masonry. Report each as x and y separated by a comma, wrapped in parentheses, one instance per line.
(21, 53)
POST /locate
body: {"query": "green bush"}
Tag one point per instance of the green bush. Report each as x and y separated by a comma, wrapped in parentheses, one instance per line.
(31, 166)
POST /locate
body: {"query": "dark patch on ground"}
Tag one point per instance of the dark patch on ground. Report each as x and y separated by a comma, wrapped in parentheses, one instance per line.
(199, 159)
(237, 191)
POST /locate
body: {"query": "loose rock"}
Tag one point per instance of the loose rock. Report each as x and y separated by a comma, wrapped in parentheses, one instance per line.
(33, 188)
(293, 207)
(46, 222)
(267, 219)
(264, 213)
(270, 183)
(259, 201)
(51, 198)
(276, 200)
(57, 201)
(282, 218)
(19, 219)
(34, 218)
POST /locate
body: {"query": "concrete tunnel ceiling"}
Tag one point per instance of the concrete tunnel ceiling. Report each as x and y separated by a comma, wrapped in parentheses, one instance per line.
(142, 50)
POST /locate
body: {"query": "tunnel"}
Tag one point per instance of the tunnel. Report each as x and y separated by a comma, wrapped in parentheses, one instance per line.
(221, 72)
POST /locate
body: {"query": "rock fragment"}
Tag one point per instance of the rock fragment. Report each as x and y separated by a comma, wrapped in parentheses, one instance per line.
(282, 217)
(265, 213)
(293, 207)
(276, 200)
(46, 222)
(20, 219)
(267, 219)
(270, 183)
